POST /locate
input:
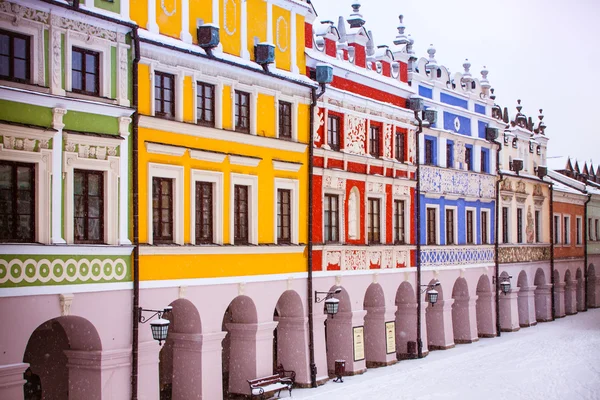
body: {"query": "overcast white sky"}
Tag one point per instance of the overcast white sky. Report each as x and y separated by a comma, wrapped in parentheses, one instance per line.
(544, 52)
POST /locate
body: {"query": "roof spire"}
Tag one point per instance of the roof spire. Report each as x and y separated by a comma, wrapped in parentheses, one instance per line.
(467, 78)
(432, 63)
(401, 37)
(356, 19)
(485, 84)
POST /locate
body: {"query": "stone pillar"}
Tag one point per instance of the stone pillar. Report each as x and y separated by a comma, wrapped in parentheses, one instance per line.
(148, 374)
(580, 295)
(543, 303)
(559, 299)
(84, 374)
(593, 292)
(464, 317)
(509, 311)
(11, 381)
(472, 308)
(320, 348)
(340, 341)
(212, 369)
(375, 338)
(292, 347)
(406, 329)
(571, 298)
(486, 313)
(440, 333)
(187, 365)
(526, 300)
(424, 340)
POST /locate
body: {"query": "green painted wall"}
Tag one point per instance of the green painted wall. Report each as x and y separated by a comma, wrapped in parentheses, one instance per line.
(113, 72)
(86, 122)
(114, 5)
(25, 113)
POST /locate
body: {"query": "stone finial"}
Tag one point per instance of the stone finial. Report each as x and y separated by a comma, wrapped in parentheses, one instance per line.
(467, 78)
(519, 106)
(356, 19)
(371, 45)
(409, 46)
(493, 96)
(342, 30)
(401, 37)
(431, 63)
(485, 83)
(542, 124)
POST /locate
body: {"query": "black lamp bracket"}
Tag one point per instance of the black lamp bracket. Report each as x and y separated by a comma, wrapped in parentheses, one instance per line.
(430, 286)
(322, 296)
(158, 313)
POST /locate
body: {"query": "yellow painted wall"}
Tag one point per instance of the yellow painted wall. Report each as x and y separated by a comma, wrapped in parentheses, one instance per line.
(188, 99)
(138, 11)
(169, 25)
(201, 9)
(257, 23)
(227, 108)
(300, 37)
(265, 123)
(231, 26)
(303, 122)
(144, 99)
(282, 37)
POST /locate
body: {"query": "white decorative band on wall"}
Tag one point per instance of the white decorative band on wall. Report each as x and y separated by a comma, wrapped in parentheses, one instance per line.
(184, 250)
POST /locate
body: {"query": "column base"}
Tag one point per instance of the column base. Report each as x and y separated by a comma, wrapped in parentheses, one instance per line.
(406, 356)
(559, 316)
(361, 371)
(545, 320)
(465, 341)
(571, 313)
(487, 335)
(510, 330)
(528, 325)
(435, 347)
(377, 364)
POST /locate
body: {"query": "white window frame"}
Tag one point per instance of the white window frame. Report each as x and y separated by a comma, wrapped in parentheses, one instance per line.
(566, 229)
(509, 224)
(294, 102)
(597, 228)
(590, 229)
(216, 179)
(437, 227)
(541, 221)
(218, 100)
(252, 182)
(523, 225)
(578, 231)
(103, 47)
(176, 173)
(487, 213)
(35, 31)
(406, 201)
(178, 98)
(341, 214)
(557, 229)
(382, 214)
(253, 92)
(455, 210)
(475, 233)
(294, 187)
(111, 171)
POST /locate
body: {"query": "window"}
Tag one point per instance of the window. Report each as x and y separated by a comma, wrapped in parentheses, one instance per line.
(505, 224)
(88, 189)
(566, 230)
(285, 120)
(162, 210)
(204, 212)
(578, 231)
(374, 221)
(431, 226)
(399, 235)
(331, 218)
(374, 141)
(284, 220)
(470, 226)
(597, 229)
(556, 229)
(242, 111)
(519, 225)
(429, 152)
(537, 226)
(484, 161)
(205, 104)
(85, 71)
(484, 227)
(469, 158)
(400, 146)
(164, 95)
(17, 202)
(590, 229)
(240, 214)
(450, 226)
(449, 154)
(333, 132)
(15, 56)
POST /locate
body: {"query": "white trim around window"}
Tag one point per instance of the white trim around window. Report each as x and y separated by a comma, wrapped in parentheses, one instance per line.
(579, 231)
(436, 207)
(485, 213)
(566, 219)
(293, 186)
(216, 178)
(179, 76)
(176, 173)
(474, 228)
(557, 229)
(218, 100)
(252, 182)
(382, 213)
(103, 47)
(294, 102)
(454, 222)
(35, 31)
(341, 195)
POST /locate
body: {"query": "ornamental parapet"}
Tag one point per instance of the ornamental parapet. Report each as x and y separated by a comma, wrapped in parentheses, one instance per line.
(348, 258)
(523, 253)
(462, 183)
(434, 256)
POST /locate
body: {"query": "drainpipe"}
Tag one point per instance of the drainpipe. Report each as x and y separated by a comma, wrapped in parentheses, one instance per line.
(585, 251)
(136, 236)
(311, 337)
(418, 233)
(551, 187)
(497, 239)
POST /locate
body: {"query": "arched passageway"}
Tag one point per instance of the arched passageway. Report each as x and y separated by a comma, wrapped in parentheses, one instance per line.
(485, 309)
(64, 355)
(238, 355)
(439, 322)
(464, 331)
(526, 301)
(543, 299)
(406, 322)
(289, 338)
(180, 365)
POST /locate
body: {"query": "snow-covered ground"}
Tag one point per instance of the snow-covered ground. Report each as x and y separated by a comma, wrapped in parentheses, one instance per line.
(554, 360)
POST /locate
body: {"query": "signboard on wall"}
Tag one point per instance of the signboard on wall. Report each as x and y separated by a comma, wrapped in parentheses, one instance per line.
(390, 337)
(359, 342)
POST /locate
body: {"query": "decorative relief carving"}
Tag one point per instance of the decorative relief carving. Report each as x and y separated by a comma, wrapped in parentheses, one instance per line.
(123, 73)
(334, 257)
(355, 259)
(65, 303)
(89, 151)
(537, 190)
(402, 258)
(355, 128)
(457, 255)
(515, 254)
(230, 16)
(387, 140)
(353, 214)
(282, 34)
(506, 185)
(401, 190)
(17, 143)
(444, 181)
(411, 146)
(520, 188)
(56, 59)
(529, 230)
(387, 261)
(376, 187)
(363, 258)
(21, 12)
(86, 29)
(334, 182)
(374, 258)
(168, 13)
(319, 121)
(459, 152)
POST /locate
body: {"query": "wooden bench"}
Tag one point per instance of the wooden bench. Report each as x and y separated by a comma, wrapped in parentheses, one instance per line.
(259, 387)
(283, 373)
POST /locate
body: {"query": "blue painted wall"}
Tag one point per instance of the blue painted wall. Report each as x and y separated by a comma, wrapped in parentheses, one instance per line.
(465, 123)
(425, 92)
(454, 101)
(479, 109)
(461, 218)
(481, 125)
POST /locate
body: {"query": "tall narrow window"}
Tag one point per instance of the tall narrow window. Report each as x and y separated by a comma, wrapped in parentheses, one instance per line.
(284, 219)
(204, 212)
(428, 152)
(331, 218)
(484, 227)
(469, 227)
(333, 132)
(285, 120)
(15, 56)
(17, 202)
(556, 229)
(449, 154)
(242, 111)
(240, 215)
(400, 146)
(374, 221)
(162, 210)
(537, 226)
(399, 235)
(374, 141)
(590, 229)
(431, 226)
(566, 230)
(519, 225)
(505, 224)
(164, 95)
(450, 226)
(484, 161)
(597, 229)
(469, 158)
(205, 104)
(85, 71)
(578, 233)
(89, 206)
